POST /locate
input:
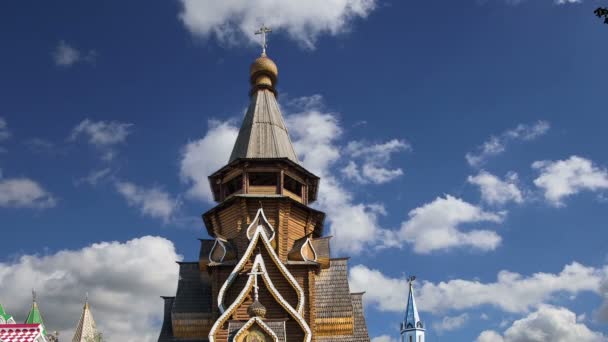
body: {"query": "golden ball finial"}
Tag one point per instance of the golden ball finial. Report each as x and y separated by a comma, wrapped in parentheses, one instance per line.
(263, 72)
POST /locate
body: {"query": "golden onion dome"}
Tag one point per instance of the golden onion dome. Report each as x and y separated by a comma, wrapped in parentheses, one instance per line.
(256, 309)
(263, 72)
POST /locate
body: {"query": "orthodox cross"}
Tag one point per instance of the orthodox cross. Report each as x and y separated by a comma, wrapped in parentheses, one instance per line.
(255, 284)
(411, 279)
(33, 295)
(263, 31)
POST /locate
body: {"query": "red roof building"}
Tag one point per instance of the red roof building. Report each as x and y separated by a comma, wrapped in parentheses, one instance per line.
(22, 333)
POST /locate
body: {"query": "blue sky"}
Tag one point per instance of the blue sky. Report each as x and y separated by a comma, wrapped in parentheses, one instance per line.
(112, 114)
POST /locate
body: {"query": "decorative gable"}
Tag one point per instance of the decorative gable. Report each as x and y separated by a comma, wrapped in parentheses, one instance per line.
(255, 330)
(258, 235)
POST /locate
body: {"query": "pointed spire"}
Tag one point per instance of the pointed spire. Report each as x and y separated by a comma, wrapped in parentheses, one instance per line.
(412, 319)
(86, 330)
(263, 133)
(34, 316)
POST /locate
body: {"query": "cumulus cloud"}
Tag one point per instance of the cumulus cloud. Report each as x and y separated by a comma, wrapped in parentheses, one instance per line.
(103, 135)
(548, 323)
(152, 202)
(353, 224)
(498, 144)
(384, 338)
(450, 323)
(496, 191)
(511, 292)
(374, 159)
(24, 193)
(231, 22)
(66, 55)
(563, 178)
(202, 157)
(123, 292)
(382, 292)
(438, 226)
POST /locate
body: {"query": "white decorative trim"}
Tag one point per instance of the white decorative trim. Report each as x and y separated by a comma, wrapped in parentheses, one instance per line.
(261, 323)
(255, 224)
(218, 241)
(257, 264)
(314, 252)
(248, 252)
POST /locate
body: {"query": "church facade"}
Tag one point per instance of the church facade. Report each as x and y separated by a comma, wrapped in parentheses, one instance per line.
(267, 273)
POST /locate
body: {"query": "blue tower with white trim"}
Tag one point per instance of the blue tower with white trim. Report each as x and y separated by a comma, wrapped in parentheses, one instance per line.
(412, 329)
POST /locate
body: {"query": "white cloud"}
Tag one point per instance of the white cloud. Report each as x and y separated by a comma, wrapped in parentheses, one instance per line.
(4, 132)
(495, 190)
(511, 292)
(103, 135)
(450, 323)
(315, 133)
(382, 292)
(563, 178)
(94, 176)
(384, 338)
(24, 193)
(437, 226)
(489, 336)
(231, 22)
(200, 158)
(548, 323)
(374, 159)
(498, 144)
(153, 202)
(123, 292)
(66, 55)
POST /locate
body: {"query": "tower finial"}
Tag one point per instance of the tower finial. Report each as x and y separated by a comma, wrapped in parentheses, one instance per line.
(33, 295)
(263, 31)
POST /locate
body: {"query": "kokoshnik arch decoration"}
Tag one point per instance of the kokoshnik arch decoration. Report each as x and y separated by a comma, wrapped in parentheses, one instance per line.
(266, 274)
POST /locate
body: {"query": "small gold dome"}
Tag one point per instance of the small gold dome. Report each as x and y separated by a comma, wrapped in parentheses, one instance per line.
(263, 66)
(256, 309)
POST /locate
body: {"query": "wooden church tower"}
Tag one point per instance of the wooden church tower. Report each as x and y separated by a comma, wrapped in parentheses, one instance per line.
(267, 274)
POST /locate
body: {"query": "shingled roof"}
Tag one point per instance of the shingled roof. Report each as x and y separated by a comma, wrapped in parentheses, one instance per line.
(360, 327)
(263, 133)
(166, 332)
(193, 290)
(332, 291)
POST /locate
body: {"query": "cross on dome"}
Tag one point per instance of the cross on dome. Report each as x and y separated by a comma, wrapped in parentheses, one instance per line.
(263, 31)
(256, 287)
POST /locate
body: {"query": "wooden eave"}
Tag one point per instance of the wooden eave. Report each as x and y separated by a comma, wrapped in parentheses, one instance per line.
(313, 180)
(209, 225)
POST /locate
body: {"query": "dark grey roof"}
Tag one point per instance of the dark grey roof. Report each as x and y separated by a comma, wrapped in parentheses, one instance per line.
(166, 332)
(206, 245)
(193, 290)
(332, 292)
(263, 133)
(277, 326)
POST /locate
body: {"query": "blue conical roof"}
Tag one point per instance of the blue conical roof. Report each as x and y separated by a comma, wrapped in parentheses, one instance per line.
(412, 319)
